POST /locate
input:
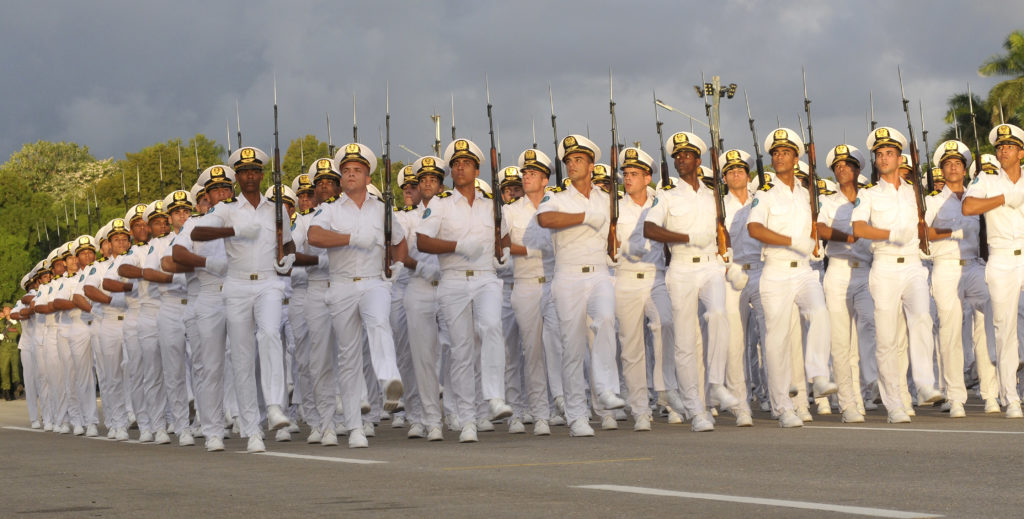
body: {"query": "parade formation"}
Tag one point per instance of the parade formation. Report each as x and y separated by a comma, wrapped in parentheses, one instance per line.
(613, 292)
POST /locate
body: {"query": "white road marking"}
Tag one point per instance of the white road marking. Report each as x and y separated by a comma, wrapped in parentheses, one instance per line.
(897, 429)
(29, 429)
(316, 458)
(805, 505)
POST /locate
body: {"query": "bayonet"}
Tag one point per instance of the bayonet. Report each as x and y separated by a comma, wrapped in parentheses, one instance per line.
(661, 141)
(355, 123)
(160, 168)
(453, 116)
(389, 196)
(278, 198)
(915, 167)
(330, 140)
(613, 175)
(554, 131)
(759, 159)
(238, 124)
(812, 174)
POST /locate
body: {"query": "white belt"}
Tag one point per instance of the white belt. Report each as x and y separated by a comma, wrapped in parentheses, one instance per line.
(253, 276)
(1005, 252)
(583, 269)
(849, 263)
(750, 266)
(954, 261)
(637, 274)
(786, 264)
(893, 259)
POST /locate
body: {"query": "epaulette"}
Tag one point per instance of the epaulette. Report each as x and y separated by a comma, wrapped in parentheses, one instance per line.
(444, 194)
(708, 181)
(993, 172)
(934, 192)
(908, 182)
(555, 189)
(869, 185)
(229, 200)
(666, 187)
(307, 211)
(826, 192)
(331, 199)
(766, 187)
(292, 219)
(489, 196)
(512, 201)
(375, 197)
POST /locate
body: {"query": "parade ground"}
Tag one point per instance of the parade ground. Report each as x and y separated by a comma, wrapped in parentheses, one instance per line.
(933, 467)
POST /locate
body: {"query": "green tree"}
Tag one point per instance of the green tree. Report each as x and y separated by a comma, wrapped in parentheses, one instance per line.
(1008, 94)
(56, 167)
(23, 236)
(959, 115)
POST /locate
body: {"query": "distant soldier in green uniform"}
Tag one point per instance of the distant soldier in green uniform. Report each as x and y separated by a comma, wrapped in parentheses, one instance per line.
(10, 378)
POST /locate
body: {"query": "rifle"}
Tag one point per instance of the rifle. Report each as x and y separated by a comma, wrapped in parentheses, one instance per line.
(453, 116)
(160, 168)
(496, 199)
(927, 152)
(554, 131)
(533, 127)
(278, 199)
(983, 229)
(67, 221)
(436, 119)
(57, 227)
(330, 140)
(88, 214)
(46, 232)
(355, 125)
(712, 94)
(227, 126)
(812, 176)
(757, 147)
(238, 125)
(661, 141)
(613, 176)
(124, 189)
(874, 124)
(922, 227)
(389, 196)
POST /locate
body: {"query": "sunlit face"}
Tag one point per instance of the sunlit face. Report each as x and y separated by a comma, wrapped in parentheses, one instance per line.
(326, 188)
(736, 178)
(1009, 156)
(105, 248)
(953, 171)
(219, 194)
(887, 160)
(429, 186)
(249, 180)
(178, 217)
(140, 231)
(86, 256)
(306, 200)
(355, 176)
(846, 172)
(534, 181)
(686, 162)
(579, 167)
(783, 159)
(72, 264)
(635, 180)
(203, 204)
(464, 171)
(119, 244)
(59, 267)
(159, 225)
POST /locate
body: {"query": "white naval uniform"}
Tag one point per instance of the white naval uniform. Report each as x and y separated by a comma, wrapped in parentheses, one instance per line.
(958, 286)
(743, 305)
(54, 398)
(469, 295)
(788, 278)
(155, 399)
(850, 307)
(252, 299)
(108, 350)
(173, 300)
(428, 334)
(1004, 273)
(75, 341)
(29, 367)
(359, 301)
(583, 288)
(400, 326)
(131, 364)
(532, 302)
(297, 314)
(695, 275)
(898, 281)
(641, 296)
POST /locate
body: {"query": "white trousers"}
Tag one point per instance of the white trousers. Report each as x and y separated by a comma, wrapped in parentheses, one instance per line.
(1005, 277)
(530, 297)
(208, 360)
(171, 325)
(108, 356)
(429, 336)
(746, 329)
(852, 319)
(471, 309)
(958, 290)
(303, 392)
(31, 378)
(253, 316)
(578, 296)
(895, 288)
(323, 355)
(403, 353)
(642, 303)
(689, 285)
(81, 385)
(152, 416)
(782, 286)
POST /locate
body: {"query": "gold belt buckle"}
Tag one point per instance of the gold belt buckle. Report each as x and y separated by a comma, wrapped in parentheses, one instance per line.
(284, 301)
(1016, 252)
(469, 273)
(357, 279)
(120, 318)
(854, 264)
(585, 269)
(963, 262)
(696, 259)
(901, 259)
(639, 275)
(542, 279)
(184, 301)
(746, 266)
(793, 264)
(253, 277)
(433, 283)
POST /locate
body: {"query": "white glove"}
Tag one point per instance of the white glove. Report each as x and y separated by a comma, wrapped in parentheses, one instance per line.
(532, 253)
(735, 276)
(321, 259)
(468, 248)
(503, 263)
(702, 238)
(428, 270)
(117, 300)
(610, 262)
(396, 269)
(299, 276)
(216, 266)
(285, 264)
(594, 219)
(727, 257)
(247, 231)
(903, 235)
(1014, 199)
(957, 234)
(802, 244)
(361, 238)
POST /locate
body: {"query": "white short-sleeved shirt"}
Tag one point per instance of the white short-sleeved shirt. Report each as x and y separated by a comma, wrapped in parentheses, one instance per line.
(415, 218)
(208, 249)
(579, 244)
(450, 217)
(132, 257)
(67, 287)
(630, 230)
(679, 208)
(346, 217)
(745, 250)
(159, 248)
(785, 211)
(247, 256)
(836, 211)
(516, 221)
(884, 207)
(93, 276)
(1004, 225)
(184, 238)
(944, 210)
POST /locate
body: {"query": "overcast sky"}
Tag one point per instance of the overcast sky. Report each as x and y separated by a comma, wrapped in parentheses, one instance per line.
(117, 76)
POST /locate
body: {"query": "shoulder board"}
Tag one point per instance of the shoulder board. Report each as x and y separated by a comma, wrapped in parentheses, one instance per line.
(869, 185)
(330, 200)
(827, 192)
(230, 200)
(307, 211)
(375, 197)
(512, 201)
(555, 189)
(708, 181)
(934, 193)
(907, 181)
(605, 189)
(292, 219)
(444, 194)
(667, 187)
(488, 196)
(993, 172)
(766, 187)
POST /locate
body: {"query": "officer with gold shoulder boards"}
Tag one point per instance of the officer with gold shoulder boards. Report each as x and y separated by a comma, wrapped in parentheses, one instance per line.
(780, 219)
(846, 281)
(252, 293)
(459, 228)
(958, 282)
(583, 288)
(886, 214)
(684, 218)
(999, 195)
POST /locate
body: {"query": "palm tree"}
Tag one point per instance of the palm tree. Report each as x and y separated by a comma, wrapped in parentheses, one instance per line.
(1008, 93)
(959, 115)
